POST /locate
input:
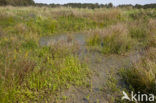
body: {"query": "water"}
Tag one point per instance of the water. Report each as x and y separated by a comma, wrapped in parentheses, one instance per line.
(71, 38)
(97, 62)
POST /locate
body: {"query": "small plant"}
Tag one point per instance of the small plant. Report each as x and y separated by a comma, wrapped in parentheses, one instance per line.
(94, 40)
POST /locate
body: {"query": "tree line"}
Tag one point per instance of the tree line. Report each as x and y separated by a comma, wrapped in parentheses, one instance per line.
(17, 2)
(85, 5)
(93, 6)
(73, 5)
(139, 6)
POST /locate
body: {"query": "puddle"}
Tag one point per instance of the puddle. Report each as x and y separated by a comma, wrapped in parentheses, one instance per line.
(98, 63)
(70, 39)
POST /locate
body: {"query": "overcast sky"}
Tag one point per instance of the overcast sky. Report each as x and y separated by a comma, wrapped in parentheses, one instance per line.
(115, 2)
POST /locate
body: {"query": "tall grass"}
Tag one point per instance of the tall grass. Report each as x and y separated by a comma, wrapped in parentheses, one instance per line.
(142, 76)
(114, 39)
(47, 21)
(121, 38)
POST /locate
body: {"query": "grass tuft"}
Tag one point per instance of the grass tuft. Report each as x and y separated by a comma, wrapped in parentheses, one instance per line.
(141, 77)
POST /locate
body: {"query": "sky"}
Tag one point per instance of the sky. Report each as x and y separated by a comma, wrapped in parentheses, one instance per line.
(115, 2)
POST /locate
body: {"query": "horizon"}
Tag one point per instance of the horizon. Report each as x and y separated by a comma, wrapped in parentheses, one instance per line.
(114, 2)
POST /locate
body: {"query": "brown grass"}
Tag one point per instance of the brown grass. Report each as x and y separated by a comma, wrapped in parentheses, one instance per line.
(142, 76)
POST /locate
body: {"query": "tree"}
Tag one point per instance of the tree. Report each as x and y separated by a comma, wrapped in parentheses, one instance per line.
(17, 2)
(110, 5)
(3, 2)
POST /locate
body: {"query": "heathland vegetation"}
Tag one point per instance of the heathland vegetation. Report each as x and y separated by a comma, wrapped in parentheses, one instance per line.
(30, 72)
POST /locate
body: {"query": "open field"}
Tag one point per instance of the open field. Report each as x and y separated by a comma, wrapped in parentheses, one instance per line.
(66, 55)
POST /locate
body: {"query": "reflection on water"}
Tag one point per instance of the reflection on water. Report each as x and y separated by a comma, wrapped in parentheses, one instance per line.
(74, 38)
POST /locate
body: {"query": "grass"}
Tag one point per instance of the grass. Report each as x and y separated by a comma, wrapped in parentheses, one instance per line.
(49, 21)
(122, 38)
(112, 40)
(32, 73)
(141, 77)
(41, 72)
